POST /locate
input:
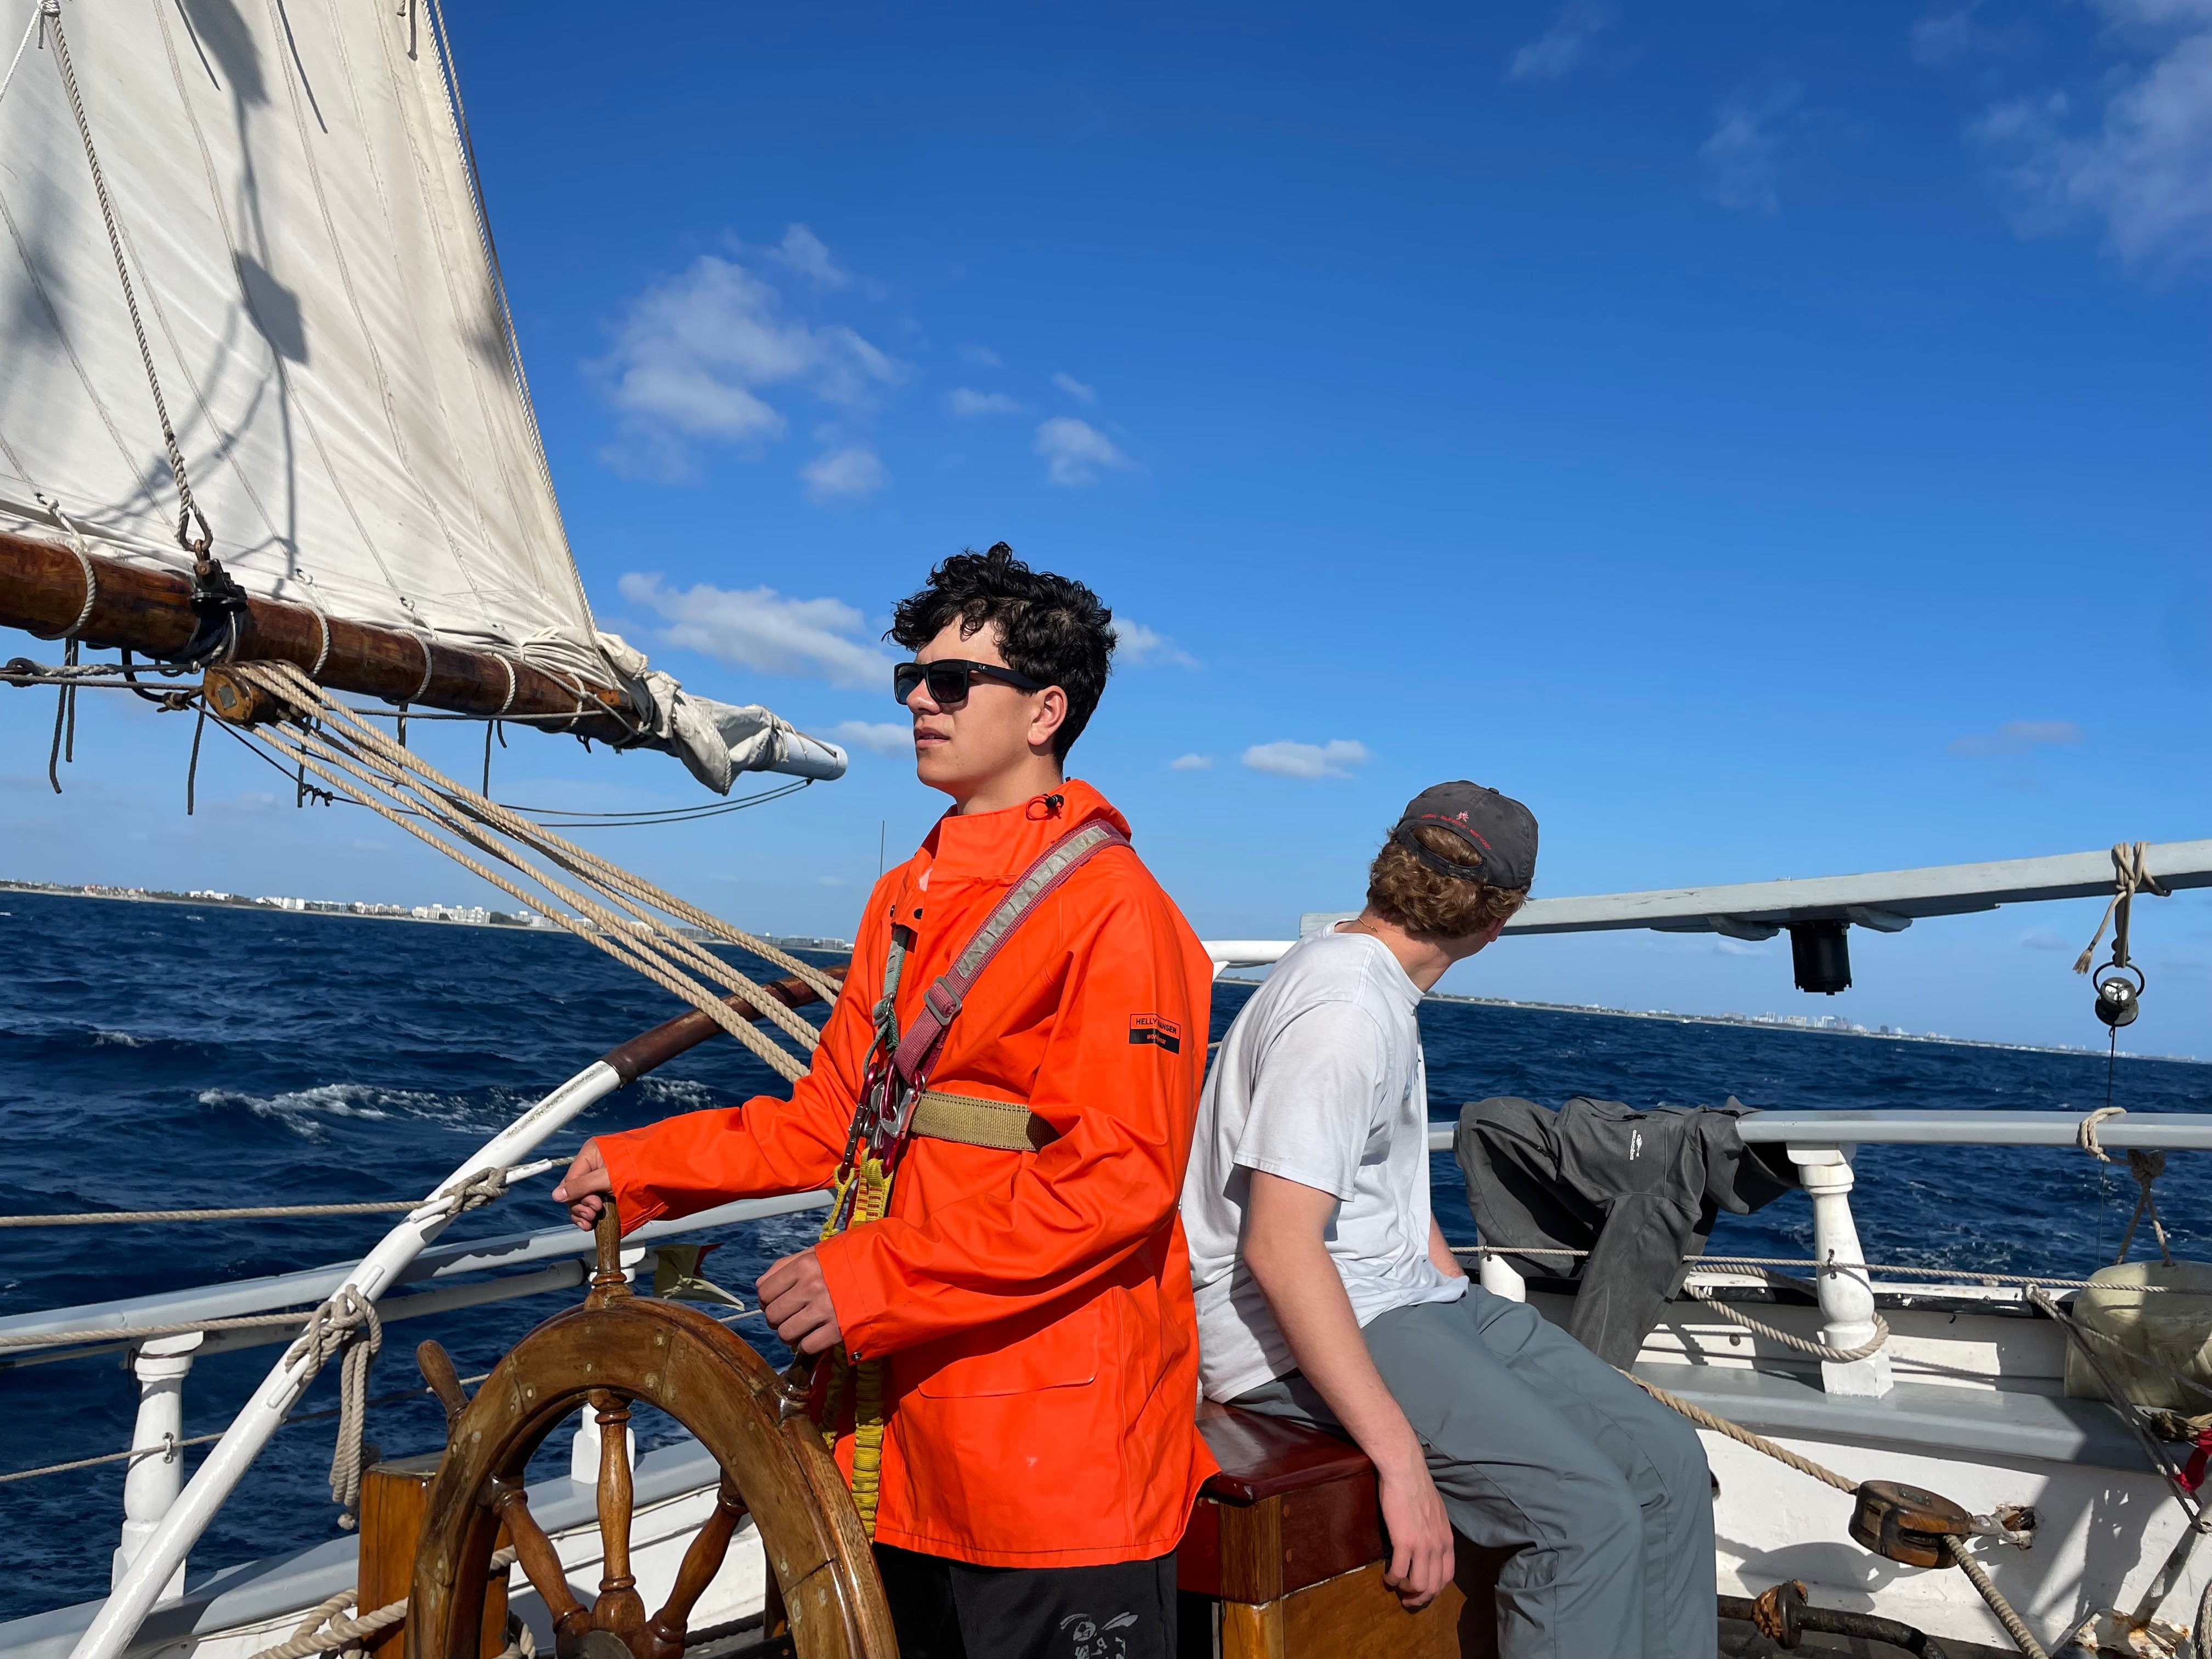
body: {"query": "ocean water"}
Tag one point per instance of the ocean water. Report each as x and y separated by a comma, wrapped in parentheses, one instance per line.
(158, 1055)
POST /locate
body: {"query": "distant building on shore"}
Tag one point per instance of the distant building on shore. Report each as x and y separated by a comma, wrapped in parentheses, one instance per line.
(475, 914)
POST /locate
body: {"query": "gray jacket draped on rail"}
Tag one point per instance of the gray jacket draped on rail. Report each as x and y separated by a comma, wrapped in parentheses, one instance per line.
(1638, 1190)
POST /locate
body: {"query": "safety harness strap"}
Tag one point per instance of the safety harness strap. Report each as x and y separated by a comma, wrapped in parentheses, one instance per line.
(972, 1121)
(942, 1001)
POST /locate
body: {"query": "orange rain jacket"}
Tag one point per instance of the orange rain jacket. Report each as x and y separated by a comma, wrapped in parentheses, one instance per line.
(1035, 1308)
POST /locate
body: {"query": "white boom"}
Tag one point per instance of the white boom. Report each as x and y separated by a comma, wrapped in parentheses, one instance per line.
(1888, 900)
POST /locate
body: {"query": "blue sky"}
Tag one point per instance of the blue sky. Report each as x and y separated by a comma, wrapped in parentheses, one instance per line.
(1768, 441)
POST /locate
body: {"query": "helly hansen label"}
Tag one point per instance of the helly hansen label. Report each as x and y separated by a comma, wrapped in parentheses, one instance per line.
(1160, 1033)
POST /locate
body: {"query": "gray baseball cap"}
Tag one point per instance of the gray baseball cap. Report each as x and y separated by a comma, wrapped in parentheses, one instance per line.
(1498, 829)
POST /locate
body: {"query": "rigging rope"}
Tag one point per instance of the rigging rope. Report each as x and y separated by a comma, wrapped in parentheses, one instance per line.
(469, 1191)
(2145, 1167)
(363, 763)
(2016, 1626)
(333, 1328)
(1865, 1350)
(324, 1632)
(1971, 1275)
(171, 1446)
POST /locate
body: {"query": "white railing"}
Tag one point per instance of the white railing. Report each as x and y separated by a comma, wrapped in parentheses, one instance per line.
(154, 1482)
(1822, 1146)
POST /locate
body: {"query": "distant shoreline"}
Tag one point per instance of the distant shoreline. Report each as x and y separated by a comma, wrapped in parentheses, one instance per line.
(500, 920)
(507, 923)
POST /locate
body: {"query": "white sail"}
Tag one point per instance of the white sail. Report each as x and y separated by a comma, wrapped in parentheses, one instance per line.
(319, 295)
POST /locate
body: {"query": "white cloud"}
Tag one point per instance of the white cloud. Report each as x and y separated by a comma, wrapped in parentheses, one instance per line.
(2017, 738)
(833, 881)
(1942, 35)
(2141, 163)
(1074, 451)
(1075, 388)
(981, 357)
(1287, 759)
(1134, 643)
(2042, 939)
(802, 251)
(876, 737)
(1560, 47)
(845, 474)
(1742, 156)
(693, 356)
(1191, 763)
(965, 401)
(759, 628)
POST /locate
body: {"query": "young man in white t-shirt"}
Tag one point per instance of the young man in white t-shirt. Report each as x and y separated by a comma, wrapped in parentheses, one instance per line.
(1326, 1291)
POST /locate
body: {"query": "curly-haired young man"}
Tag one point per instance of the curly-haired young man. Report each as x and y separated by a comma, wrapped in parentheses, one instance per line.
(1012, 1354)
(1326, 1291)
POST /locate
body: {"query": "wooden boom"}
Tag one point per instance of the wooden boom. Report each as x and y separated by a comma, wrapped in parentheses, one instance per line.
(149, 610)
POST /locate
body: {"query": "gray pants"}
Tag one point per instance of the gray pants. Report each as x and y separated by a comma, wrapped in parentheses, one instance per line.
(1538, 1445)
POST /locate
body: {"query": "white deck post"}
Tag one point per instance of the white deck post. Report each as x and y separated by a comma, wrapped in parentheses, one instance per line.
(1500, 1277)
(150, 1484)
(1847, 1306)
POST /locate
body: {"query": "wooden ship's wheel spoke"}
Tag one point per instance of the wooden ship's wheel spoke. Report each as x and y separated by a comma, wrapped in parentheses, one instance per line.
(617, 1351)
(665, 1632)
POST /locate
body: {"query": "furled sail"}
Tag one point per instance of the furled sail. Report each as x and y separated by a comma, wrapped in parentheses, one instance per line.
(318, 293)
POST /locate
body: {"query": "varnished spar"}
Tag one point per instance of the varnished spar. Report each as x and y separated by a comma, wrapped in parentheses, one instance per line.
(136, 608)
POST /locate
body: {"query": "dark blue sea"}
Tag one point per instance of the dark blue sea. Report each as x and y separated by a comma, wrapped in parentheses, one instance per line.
(155, 1055)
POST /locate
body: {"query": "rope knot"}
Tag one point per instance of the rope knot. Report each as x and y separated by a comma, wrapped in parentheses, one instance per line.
(333, 1327)
(2129, 877)
(484, 1187)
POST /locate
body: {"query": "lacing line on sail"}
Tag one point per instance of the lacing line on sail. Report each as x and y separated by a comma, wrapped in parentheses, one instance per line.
(205, 568)
(38, 16)
(366, 766)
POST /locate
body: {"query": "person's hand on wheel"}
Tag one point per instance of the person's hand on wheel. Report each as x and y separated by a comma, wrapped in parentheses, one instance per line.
(796, 1299)
(581, 1188)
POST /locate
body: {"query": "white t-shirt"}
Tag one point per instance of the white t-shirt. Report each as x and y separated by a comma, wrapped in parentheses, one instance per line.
(1320, 1081)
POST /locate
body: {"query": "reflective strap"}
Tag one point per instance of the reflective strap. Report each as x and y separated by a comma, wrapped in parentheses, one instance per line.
(941, 1003)
(1004, 1125)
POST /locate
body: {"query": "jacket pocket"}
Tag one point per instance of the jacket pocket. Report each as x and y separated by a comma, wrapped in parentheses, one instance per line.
(1021, 1356)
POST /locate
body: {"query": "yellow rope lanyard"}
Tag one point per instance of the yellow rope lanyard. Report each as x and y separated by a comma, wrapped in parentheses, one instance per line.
(864, 1382)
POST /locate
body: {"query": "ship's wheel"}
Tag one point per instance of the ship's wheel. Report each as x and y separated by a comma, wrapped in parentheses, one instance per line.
(615, 1350)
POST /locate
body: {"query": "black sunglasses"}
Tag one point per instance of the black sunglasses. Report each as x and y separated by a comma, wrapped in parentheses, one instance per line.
(949, 678)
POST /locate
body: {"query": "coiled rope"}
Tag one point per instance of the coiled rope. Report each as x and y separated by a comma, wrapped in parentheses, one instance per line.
(333, 1330)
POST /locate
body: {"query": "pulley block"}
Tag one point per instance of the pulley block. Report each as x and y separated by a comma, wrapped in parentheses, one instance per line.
(235, 700)
(1907, 1523)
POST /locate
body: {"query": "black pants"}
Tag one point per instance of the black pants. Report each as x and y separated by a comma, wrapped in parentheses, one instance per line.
(946, 1609)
